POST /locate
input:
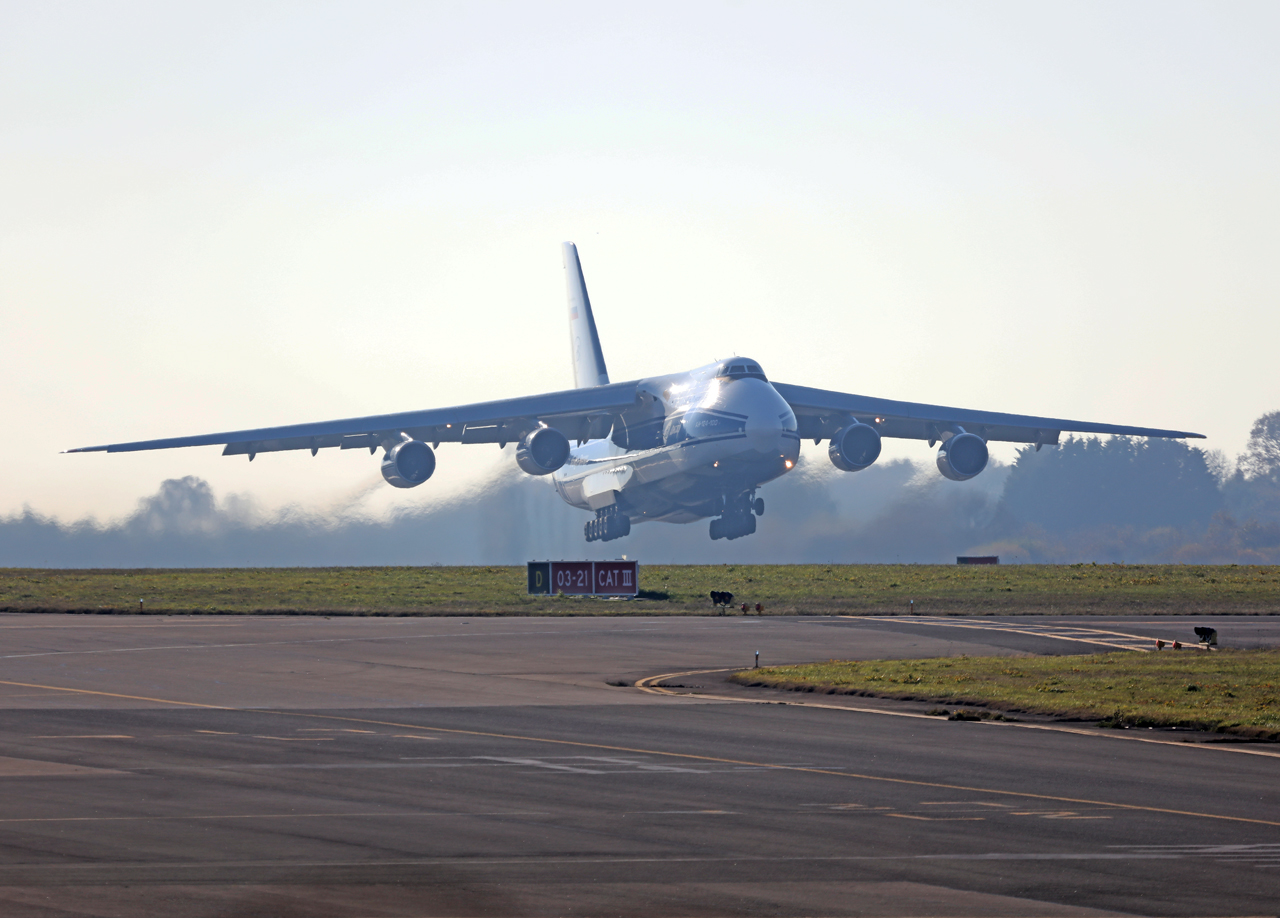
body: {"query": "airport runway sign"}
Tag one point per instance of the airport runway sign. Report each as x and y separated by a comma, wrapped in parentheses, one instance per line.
(584, 578)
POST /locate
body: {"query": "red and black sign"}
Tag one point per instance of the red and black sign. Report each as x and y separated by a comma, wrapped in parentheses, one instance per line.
(584, 578)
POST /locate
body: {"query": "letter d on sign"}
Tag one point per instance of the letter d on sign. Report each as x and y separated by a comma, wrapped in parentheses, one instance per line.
(539, 577)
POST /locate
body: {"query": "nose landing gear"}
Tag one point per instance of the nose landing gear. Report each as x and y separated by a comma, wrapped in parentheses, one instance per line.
(739, 517)
(610, 523)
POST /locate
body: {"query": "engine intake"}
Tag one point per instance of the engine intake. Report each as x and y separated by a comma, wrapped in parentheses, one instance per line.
(855, 447)
(962, 456)
(408, 464)
(542, 451)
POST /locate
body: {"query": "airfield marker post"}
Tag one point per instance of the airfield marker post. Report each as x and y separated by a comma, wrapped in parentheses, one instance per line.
(757, 666)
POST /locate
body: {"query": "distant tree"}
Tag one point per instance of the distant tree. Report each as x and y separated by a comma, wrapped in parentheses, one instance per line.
(1253, 492)
(1121, 481)
(1221, 466)
(1261, 457)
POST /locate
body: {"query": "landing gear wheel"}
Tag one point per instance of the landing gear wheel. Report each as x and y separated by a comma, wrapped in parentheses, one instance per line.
(758, 506)
(608, 525)
(733, 525)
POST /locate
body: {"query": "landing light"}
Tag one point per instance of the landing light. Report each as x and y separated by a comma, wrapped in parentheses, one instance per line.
(789, 463)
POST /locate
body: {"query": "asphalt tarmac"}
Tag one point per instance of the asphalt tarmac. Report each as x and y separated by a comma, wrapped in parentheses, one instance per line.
(422, 767)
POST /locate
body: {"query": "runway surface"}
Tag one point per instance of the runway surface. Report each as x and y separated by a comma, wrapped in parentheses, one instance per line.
(413, 767)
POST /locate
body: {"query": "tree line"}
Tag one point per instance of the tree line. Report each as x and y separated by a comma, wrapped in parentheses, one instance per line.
(1144, 500)
(1090, 499)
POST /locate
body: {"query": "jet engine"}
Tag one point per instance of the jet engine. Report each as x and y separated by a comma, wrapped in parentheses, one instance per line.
(542, 451)
(855, 447)
(408, 464)
(962, 456)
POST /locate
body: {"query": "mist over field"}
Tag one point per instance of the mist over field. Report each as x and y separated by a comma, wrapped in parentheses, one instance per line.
(1118, 499)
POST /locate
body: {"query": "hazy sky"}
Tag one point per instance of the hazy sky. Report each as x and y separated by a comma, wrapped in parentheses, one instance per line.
(221, 216)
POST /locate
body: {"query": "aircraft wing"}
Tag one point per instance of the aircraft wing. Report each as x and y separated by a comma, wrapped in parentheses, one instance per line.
(821, 412)
(579, 414)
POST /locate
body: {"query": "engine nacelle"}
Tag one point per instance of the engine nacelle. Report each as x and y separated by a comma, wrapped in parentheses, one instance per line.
(855, 447)
(408, 464)
(542, 451)
(962, 456)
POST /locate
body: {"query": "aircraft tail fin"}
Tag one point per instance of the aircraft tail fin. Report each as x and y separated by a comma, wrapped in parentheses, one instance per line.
(588, 359)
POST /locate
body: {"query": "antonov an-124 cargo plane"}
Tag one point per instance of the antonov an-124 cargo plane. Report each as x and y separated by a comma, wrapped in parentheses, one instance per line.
(672, 449)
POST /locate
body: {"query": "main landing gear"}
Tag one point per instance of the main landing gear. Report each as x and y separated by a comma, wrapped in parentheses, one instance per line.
(739, 517)
(610, 523)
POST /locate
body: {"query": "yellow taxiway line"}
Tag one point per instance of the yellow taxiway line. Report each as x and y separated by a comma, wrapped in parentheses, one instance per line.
(1133, 639)
(687, 756)
(649, 685)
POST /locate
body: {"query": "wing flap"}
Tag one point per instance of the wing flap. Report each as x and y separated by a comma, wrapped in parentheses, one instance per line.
(576, 412)
(821, 412)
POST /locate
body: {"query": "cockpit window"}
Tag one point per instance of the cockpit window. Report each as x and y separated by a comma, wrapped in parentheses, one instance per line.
(740, 371)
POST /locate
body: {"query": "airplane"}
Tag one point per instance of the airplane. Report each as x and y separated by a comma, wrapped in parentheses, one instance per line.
(674, 448)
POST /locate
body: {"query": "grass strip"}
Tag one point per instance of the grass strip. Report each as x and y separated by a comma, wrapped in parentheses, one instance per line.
(1227, 691)
(783, 589)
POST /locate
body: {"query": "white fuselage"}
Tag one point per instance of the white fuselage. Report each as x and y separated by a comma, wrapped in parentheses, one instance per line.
(706, 438)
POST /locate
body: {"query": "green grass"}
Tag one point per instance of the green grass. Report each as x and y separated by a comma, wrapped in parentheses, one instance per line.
(1229, 691)
(811, 589)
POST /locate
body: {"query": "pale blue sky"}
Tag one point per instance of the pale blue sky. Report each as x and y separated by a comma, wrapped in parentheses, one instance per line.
(230, 215)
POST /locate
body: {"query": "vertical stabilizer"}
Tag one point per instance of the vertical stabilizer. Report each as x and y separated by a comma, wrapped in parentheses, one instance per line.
(588, 359)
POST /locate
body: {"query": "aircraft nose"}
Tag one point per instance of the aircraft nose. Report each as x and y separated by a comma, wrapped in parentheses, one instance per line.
(770, 424)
